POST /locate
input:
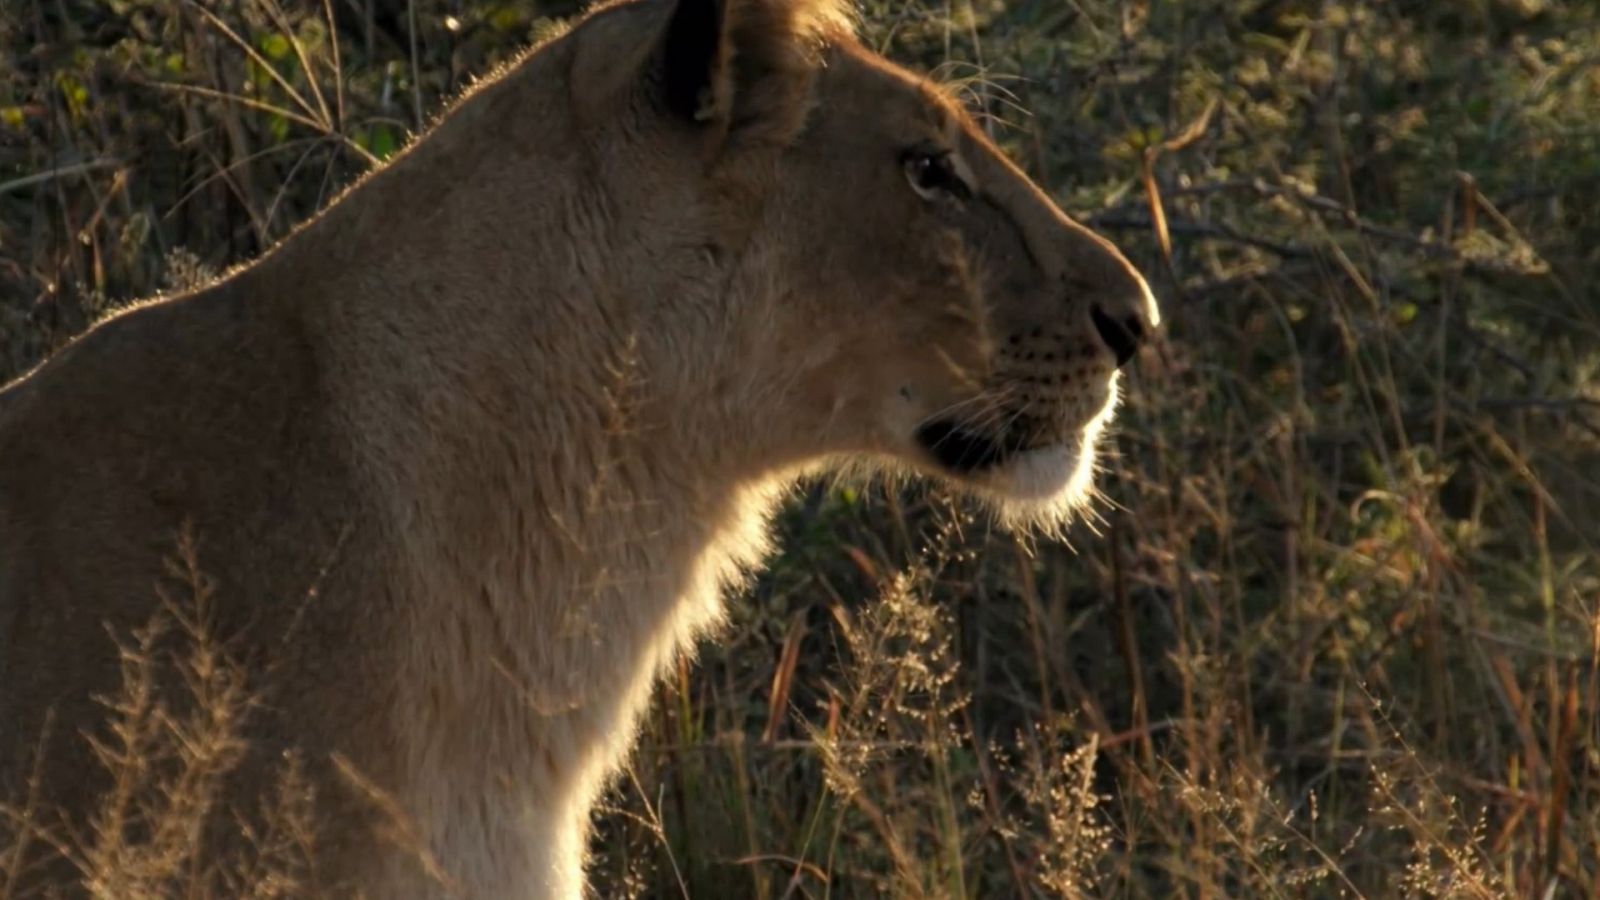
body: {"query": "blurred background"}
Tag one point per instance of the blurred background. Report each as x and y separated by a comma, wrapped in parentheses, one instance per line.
(1335, 630)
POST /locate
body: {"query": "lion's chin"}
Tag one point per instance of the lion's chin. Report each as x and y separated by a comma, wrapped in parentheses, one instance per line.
(1043, 474)
(1041, 489)
(1044, 488)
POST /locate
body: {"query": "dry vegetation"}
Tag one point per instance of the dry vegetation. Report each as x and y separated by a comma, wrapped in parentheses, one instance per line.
(1336, 631)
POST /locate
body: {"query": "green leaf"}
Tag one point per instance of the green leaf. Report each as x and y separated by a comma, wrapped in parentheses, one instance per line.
(74, 92)
(313, 34)
(506, 19)
(275, 46)
(384, 142)
(257, 74)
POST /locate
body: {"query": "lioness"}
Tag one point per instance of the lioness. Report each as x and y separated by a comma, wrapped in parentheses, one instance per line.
(473, 455)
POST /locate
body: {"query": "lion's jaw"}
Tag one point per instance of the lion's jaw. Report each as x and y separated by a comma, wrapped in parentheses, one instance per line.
(1045, 487)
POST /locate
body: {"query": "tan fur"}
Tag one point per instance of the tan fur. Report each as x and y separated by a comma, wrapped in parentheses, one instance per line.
(475, 454)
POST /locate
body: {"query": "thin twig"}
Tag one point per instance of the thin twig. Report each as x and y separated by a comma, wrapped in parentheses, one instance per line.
(17, 184)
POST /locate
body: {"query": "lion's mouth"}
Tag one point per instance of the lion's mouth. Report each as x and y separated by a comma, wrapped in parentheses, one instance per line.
(965, 449)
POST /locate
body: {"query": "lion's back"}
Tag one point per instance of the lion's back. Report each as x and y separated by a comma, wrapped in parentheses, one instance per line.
(197, 423)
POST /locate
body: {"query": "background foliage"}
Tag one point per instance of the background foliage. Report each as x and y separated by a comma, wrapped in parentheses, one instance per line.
(1336, 631)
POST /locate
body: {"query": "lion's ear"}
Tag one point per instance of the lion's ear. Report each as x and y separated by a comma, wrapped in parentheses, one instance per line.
(747, 66)
(696, 70)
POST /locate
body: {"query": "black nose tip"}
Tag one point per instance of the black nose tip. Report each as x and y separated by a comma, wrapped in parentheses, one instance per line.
(1122, 337)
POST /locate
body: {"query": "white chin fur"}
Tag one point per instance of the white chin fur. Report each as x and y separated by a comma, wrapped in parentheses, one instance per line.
(1043, 488)
(1043, 475)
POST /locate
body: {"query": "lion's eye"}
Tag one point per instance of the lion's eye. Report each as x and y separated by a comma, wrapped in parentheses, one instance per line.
(933, 174)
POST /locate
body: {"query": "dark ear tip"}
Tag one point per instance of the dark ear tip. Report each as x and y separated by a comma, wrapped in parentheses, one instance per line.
(690, 53)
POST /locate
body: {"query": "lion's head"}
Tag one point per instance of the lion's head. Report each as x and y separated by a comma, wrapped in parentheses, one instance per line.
(867, 273)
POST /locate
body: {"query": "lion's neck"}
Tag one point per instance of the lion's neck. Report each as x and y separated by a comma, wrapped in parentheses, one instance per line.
(556, 480)
(563, 535)
(589, 577)
(553, 475)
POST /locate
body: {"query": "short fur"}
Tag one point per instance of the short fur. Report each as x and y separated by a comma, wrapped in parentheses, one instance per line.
(476, 453)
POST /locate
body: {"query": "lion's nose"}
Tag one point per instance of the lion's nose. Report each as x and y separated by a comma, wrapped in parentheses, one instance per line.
(1122, 334)
(1100, 280)
(1126, 321)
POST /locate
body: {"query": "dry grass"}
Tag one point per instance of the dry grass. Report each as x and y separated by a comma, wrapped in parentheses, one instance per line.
(1337, 635)
(172, 732)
